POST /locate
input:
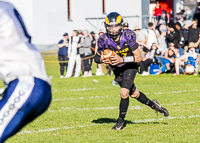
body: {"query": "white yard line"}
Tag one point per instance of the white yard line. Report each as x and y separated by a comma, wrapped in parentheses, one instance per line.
(110, 108)
(168, 118)
(53, 129)
(102, 108)
(80, 89)
(79, 98)
(81, 126)
(92, 97)
(84, 89)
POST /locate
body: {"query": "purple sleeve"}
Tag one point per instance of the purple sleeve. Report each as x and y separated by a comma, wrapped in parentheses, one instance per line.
(102, 42)
(131, 39)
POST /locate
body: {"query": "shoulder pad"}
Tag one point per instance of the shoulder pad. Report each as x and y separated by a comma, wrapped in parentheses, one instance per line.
(103, 41)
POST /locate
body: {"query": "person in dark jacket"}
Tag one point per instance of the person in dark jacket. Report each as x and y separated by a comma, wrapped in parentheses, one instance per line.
(183, 38)
(62, 53)
(172, 35)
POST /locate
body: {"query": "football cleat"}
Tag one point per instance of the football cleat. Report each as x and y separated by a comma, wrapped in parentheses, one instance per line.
(119, 125)
(158, 108)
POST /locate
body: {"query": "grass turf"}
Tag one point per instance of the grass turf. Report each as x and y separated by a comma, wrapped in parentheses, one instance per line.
(84, 111)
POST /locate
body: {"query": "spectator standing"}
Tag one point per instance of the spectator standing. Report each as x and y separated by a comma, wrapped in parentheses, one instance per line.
(139, 39)
(85, 53)
(151, 35)
(172, 35)
(157, 12)
(193, 33)
(180, 17)
(63, 53)
(183, 38)
(80, 33)
(162, 20)
(74, 56)
(81, 36)
(138, 35)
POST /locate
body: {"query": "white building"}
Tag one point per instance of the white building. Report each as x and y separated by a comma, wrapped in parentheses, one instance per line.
(47, 20)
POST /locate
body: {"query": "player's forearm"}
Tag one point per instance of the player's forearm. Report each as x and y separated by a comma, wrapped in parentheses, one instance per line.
(138, 58)
(137, 55)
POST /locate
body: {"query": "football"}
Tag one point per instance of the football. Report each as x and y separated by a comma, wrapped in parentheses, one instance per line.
(107, 55)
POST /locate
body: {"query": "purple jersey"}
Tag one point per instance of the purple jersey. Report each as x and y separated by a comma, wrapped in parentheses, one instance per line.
(126, 46)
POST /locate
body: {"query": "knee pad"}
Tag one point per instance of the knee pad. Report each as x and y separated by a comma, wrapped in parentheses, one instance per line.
(135, 94)
(124, 93)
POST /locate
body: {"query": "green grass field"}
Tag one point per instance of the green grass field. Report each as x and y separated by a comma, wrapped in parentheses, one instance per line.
(84, 111)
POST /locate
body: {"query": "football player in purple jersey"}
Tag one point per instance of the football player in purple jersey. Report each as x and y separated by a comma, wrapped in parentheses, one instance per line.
(124, 65)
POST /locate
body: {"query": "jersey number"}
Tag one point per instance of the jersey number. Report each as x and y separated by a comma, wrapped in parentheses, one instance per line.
(124, 54)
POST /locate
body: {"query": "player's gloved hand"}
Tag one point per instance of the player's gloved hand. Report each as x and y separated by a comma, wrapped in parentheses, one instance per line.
(103, 60)
(116, 60)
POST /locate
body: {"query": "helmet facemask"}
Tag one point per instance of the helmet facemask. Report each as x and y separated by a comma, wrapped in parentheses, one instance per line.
(114, 29)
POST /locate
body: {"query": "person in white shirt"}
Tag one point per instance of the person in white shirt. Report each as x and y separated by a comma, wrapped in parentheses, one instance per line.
(28, 92)
(73, 55)
(151, 35)
(161, 41)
